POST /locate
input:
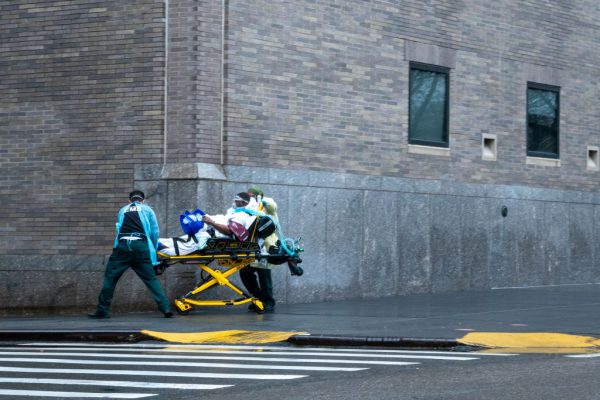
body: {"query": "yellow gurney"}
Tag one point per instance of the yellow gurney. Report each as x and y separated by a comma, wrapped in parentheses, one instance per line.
(231, 256)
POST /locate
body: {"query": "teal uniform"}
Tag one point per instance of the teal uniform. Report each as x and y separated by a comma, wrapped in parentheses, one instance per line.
(135, 248)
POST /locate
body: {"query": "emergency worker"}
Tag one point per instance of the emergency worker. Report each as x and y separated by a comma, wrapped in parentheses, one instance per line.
(134, 247)
(262, 288)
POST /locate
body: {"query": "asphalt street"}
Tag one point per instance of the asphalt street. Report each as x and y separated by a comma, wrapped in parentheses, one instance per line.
(565, 309)
(542, 343)
(153, 370)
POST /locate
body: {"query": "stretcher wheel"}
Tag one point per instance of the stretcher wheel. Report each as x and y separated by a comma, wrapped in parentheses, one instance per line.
(182, 308)
(259, 305)
(180, 312)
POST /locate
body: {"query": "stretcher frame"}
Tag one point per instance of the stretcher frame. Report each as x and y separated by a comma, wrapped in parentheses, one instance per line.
(233, 255)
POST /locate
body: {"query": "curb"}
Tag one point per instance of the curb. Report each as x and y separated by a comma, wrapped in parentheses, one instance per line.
(379, 341)
(63, 335)
(135, 336)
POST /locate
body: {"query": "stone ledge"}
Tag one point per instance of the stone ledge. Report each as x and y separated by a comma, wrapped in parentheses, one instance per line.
(204, 171)
(429, 54)
(543, 162)
(429, 150)
(543, 74)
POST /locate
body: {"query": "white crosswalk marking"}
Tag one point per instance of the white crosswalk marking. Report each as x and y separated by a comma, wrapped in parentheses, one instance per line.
(45, 393)
(359, 354)
(163, 363)
(192, 347)
(168, 367)
(88, 382)
(591, 355)
(150, 373)
(261, 358)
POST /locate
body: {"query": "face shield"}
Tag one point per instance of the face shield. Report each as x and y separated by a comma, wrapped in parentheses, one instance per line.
(239, 202)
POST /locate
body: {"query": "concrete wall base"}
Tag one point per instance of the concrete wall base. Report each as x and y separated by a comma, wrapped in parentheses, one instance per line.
(365, 236)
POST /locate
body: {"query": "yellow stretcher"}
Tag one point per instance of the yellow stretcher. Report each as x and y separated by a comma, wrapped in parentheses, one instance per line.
(230, 256)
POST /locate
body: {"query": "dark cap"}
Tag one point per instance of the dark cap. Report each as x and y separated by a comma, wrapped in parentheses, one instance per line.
(242, 196)
(255, 190)
(136, 195)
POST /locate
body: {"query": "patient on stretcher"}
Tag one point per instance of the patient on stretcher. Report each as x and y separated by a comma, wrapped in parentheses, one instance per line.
(234, 224)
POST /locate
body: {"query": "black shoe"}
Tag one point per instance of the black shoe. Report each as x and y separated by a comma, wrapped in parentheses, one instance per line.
(98, 315)
(269, 309)
(253, 308)
(168, 314)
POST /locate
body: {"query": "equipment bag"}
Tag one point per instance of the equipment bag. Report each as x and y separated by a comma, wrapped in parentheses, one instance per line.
(263, 226)
(191, 222)
(238, 230)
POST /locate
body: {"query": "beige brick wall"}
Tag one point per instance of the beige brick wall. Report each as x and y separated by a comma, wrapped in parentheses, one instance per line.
(324, 86)
(81, 104)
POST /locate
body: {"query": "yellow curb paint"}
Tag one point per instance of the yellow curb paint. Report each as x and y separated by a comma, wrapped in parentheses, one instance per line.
(539, 340)
(223, 337)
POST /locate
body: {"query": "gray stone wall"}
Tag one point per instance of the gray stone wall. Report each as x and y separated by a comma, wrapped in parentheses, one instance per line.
(364, 236)
(380, 236)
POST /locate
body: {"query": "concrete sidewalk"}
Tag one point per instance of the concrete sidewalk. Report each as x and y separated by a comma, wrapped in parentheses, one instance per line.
(430, 320)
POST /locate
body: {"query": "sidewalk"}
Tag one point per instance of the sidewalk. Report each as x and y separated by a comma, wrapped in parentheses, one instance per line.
(429, 319)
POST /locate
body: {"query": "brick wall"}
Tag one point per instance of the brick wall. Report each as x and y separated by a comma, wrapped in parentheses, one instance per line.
(81, 86)
(324, 85)
(194, 108)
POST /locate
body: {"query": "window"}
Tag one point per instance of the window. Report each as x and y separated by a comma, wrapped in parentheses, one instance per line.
(542, 120)
(428, 105)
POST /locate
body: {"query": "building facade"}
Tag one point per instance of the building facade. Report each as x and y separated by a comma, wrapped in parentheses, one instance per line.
(416, 146)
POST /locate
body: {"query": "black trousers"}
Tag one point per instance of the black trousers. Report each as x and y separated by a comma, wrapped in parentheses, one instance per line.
(132, 254)
(261, 289)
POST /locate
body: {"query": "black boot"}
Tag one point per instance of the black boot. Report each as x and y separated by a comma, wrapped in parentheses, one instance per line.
(98, 315)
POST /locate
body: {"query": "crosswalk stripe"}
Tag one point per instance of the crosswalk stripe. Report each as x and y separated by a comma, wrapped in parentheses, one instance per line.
(152, 373)
(292, 360)
(108, 358)
(169, 347)
(39, 393)
(159, 363)
(115, 354)
(592, 355)
(358, 355)
(89, 382)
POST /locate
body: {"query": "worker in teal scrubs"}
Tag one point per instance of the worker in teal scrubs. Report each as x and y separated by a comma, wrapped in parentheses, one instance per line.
(134, 247)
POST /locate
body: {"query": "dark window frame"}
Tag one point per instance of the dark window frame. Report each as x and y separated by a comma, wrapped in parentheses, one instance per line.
(445, 143)
(549, 88)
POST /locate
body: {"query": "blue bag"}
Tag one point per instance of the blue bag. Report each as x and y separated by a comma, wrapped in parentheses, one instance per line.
(191, 222)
